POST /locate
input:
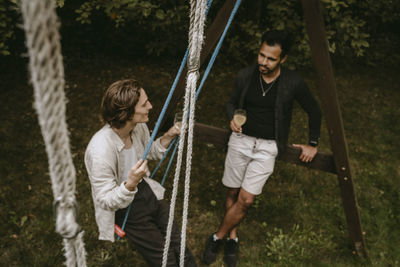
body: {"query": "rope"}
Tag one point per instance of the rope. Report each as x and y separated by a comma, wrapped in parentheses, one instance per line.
(47, 76)
(192, 69)
(169, 97)
(197, 19)
(193, 77)
(218, 47)
(169, 164)
(163, 157)
(160, 117)
(204, 78)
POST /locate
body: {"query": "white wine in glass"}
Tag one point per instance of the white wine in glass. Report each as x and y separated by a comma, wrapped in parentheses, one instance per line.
(178, 120)
(239, 117)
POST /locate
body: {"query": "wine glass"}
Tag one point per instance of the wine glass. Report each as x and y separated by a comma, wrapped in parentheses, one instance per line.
(239, 117)
(178, 119)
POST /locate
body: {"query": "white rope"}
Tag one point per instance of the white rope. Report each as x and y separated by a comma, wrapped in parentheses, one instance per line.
(196, 33)
(197, 39)
(47, 76)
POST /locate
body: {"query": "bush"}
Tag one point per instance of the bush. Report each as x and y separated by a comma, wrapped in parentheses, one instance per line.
(345, 21)
(160, 27)
(7, 24)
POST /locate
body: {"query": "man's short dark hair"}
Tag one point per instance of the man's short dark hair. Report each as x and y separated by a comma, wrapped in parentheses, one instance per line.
(278, 37)
(119, 101)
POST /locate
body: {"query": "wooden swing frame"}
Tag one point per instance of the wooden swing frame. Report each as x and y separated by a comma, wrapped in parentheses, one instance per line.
(336, 163)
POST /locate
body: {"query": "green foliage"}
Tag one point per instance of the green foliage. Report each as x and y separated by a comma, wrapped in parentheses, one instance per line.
(60, 3)
(346, 28)
(346, 31)
(7, 24)
(161, 26)
(297, 246)
(148, 18)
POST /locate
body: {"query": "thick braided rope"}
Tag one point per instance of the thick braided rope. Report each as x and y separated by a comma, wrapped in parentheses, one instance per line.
(193, 64)
(176, 180)
(47, 76)
(73, 251)
(195, 43)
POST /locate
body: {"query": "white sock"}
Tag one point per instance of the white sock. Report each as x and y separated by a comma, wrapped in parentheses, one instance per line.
(236, 239)
(215, 238)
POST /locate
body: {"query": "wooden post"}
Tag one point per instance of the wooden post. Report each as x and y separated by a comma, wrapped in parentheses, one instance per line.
(212, 37)
(320, 53)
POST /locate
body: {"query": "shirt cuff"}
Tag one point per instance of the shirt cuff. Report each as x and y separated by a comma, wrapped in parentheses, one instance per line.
(158, 146)
(126, 192)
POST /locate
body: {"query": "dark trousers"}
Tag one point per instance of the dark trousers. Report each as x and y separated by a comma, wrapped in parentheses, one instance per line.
(146, 227)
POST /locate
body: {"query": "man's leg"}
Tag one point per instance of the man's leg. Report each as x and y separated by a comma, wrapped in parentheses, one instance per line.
(143, 229)
(236, 162)
(175, 245)
(149, 241)
(231, 198)
(257, 173)
(148, 236)
(235, 214)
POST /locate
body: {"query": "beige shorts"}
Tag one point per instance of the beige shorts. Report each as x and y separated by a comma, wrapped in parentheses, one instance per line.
(249, 162)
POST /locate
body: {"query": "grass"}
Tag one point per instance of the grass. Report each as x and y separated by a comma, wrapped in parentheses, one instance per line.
(298, 219)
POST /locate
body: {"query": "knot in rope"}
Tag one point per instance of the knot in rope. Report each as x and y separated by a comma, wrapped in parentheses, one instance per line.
(194, 70)
(66, 212)
(197, 19)
(47, 76)
(193, 63)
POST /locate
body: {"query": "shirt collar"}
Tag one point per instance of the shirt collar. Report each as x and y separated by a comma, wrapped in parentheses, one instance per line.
(115, 138)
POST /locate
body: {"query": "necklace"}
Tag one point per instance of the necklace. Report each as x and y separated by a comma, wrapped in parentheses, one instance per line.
(264, 92)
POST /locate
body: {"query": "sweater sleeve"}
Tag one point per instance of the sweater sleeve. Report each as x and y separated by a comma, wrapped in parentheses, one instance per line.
(156, 149)
(311, 107)
(107, 193)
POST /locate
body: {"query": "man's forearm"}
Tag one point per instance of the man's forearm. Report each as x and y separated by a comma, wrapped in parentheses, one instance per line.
(165, 140)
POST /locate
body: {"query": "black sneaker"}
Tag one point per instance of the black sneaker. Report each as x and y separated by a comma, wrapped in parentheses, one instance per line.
(211, 250)
(231, 253)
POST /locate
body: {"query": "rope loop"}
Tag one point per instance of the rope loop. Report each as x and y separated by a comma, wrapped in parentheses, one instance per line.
(194, 70)
(65, 209)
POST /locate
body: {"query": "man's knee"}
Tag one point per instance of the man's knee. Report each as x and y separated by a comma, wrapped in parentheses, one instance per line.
(233, 193)
(245, 201)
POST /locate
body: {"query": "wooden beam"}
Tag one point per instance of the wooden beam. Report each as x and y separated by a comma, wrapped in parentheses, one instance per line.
(212, 37)
(330, 103)
(219, 137)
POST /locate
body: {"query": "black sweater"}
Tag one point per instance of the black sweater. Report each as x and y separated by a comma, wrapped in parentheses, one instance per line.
(260, 109)
(290, 87)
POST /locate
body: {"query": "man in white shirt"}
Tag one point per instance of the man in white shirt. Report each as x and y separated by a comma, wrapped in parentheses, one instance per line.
(119, 176)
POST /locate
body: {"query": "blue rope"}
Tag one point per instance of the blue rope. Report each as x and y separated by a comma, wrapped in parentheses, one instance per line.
(170, 162)
(161, 116)
(216, 51)
(204, 78)
(217, 48)
(163, 157)
(205, 75)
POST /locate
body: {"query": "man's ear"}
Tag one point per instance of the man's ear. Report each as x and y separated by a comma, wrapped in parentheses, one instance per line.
(284, 59)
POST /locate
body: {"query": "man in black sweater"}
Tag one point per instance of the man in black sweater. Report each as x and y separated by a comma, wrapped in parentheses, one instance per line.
(266, 92)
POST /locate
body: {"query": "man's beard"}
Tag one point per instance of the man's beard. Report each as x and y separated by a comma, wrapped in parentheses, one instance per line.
(268, 70)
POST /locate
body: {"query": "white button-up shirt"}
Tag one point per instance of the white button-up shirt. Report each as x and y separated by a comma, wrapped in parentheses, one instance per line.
(104, 162)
